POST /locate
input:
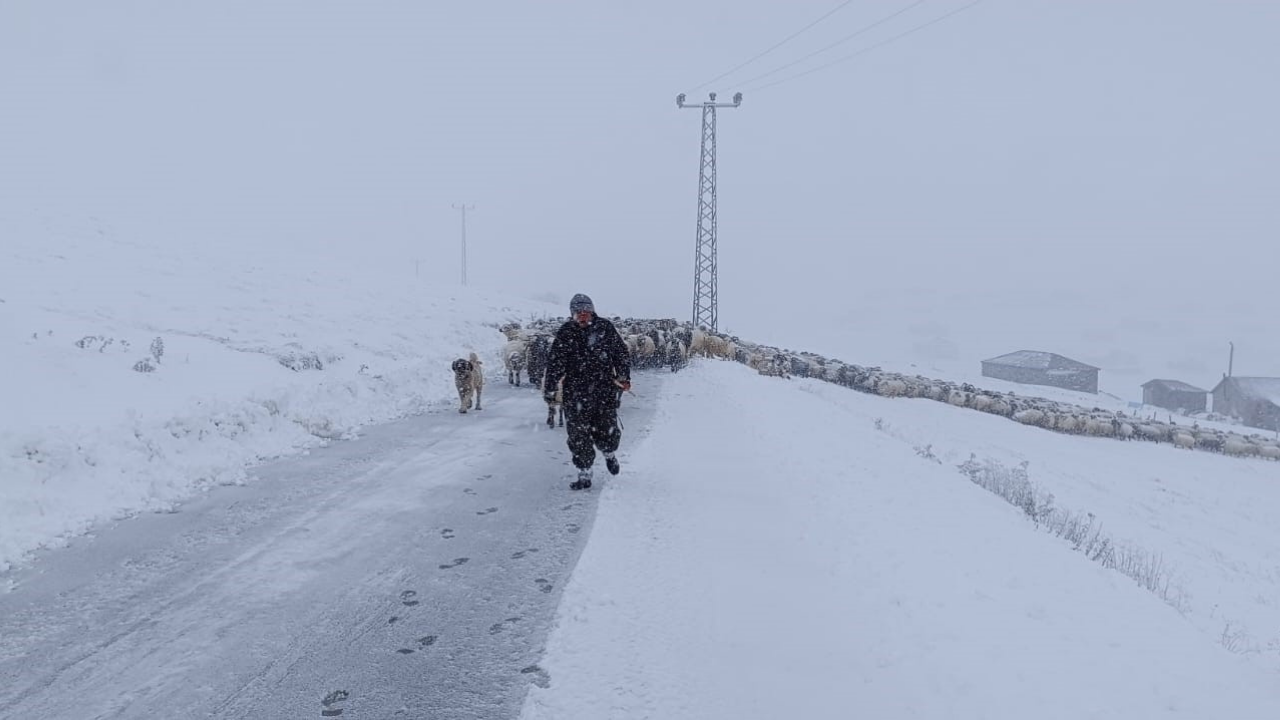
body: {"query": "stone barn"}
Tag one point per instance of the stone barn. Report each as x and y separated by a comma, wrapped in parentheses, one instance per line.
(1175, 395)
(1255, 401)
(1033, 367)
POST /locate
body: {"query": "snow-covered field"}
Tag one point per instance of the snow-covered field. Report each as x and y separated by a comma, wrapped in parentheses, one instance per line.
(773, 547)
(251, 359)
(784, 549)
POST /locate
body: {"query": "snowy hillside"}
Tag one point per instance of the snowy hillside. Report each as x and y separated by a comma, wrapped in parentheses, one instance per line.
(790, 548)
(136, 376)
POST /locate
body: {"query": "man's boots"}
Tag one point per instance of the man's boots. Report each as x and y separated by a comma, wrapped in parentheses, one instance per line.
(584, 480)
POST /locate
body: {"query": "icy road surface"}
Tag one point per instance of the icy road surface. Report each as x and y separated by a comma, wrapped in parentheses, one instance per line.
(413, 573)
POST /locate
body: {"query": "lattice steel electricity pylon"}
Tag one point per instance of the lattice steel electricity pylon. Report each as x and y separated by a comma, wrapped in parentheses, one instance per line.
(705, 300)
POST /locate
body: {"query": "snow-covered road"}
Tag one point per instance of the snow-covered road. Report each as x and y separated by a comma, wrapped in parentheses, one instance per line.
(414, 571)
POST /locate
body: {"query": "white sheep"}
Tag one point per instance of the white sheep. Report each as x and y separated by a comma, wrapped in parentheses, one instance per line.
(716, 346)
(677, 353)
(1030, 416)
(646, 350)
(1209, 440)
(1239, 448)
(1156, 433)
(892, 388)
(698, 343)
(513, 357)
(1102, 427)
(773, 366)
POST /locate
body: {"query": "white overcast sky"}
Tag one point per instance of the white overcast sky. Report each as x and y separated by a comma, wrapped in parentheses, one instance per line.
(1123, 148)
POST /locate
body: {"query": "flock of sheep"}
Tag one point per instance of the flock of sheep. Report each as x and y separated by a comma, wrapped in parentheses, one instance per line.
(666, 343)
(652, 344)
(1039, 412)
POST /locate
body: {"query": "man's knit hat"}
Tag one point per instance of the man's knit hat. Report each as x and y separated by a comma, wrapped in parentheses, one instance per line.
(579, 303)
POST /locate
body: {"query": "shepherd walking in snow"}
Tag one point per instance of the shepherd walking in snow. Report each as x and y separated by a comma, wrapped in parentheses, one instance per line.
(591, 359)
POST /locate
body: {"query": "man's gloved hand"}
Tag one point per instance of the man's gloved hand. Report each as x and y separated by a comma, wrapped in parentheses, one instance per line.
(549, 396)
(625, 385)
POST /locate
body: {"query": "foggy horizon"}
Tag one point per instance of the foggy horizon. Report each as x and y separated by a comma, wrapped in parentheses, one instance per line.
(1055, 171)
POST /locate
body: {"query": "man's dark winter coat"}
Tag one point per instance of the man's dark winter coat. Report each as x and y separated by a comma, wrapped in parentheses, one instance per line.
(589, 359)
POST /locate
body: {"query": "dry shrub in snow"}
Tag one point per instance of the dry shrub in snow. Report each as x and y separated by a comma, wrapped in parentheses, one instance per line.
(1080, 529)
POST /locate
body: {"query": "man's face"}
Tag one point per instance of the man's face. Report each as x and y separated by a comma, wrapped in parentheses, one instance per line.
(583, 317)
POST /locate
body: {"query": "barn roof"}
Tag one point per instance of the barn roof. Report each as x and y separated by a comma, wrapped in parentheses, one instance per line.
(1174, 385)
(1261, 388)
(1038, 360)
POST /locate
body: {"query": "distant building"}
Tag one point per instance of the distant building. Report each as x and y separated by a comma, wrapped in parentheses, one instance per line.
(1042, 368)
(1255, 401)
(1175, 395)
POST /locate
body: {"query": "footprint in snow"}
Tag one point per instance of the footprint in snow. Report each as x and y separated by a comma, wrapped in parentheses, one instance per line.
(544, 585)
(423, 643)
(329, 701)
(538, 676)
(408, 598)
(487, 511)
(456, 562)
(498, 627)
(447, 533)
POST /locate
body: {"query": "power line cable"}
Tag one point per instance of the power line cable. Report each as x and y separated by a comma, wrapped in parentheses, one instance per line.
(868, 49)
(779, 44)
(841, 41)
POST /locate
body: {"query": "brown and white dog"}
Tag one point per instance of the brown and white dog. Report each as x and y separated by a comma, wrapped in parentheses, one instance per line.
(468, 377)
